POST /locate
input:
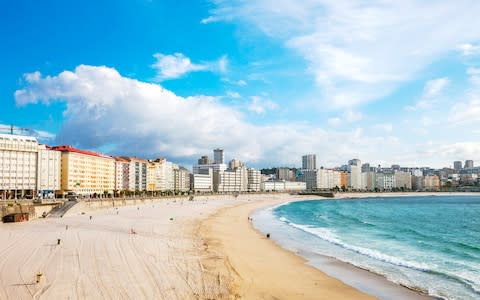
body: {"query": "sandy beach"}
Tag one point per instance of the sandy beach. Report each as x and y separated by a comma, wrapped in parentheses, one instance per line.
(259, 269)
(164, 249)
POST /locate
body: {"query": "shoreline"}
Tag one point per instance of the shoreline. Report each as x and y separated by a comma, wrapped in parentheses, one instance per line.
(359, 280)
(257, 268)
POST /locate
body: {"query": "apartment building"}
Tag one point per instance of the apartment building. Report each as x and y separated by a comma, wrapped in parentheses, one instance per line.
(202, 181)
(181, 179)
(321, 179)
(230, 180)
(368, 180)
(18, 166)
(137, 173)
(48, 171)
(385, 181)
(431, 182)
(254, 180)
(309, 162)
(309, 177)
(403, 180)
(355, 170)
(121, 174)
(283, 186)
(285, 174)
(85, 172)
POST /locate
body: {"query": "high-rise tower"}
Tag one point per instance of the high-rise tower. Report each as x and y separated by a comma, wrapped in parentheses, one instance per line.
(468, 164)
(309, 162)
(218, 157)
(457, 165)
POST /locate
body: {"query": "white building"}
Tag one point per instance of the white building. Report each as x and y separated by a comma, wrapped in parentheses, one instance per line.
(121, 174)
(321, 179)
(417, 172)
(137, 173)
(328, 179)
(197, 169)
(202, 182)
(230, 180)
(295, 186)
(283, 186)
(368, 181)
(181, 179)
(161, 175)
(48, 171)
(355, 170)
(18, 166)
(385, 181)
(254, 180)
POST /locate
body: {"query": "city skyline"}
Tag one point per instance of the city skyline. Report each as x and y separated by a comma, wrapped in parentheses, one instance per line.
(377, 81)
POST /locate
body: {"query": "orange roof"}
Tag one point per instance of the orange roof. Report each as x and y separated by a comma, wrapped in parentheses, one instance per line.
(68, 148)
(120, 159)
(134, 159)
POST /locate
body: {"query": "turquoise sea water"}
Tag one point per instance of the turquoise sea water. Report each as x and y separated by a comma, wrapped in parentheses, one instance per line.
(426, 243)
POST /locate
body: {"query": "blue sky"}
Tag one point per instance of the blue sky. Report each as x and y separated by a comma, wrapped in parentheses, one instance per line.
(386, 82)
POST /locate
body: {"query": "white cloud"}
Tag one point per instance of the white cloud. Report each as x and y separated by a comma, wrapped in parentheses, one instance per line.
(177, 65)
(348, 116)
(234, 82)
(234, 95)
(469, 49)
(334, 121)
(223, 64)
(432, 91)
(32, 77)
(105, 110)
(360, 51)
(43, 135)
(353, 116)
(474, 76)
(434, 87)
(210, 19)
(468, 111)
(260, 105)
(387, 127)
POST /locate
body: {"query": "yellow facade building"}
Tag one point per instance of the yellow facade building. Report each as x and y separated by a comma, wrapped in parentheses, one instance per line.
(85, 172)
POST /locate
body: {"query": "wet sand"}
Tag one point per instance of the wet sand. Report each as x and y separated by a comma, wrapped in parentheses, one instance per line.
(259, 269)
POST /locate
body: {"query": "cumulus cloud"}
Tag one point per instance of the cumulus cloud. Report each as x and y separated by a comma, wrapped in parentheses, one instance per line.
(360, 51)
(334, 121)
(469, 49)
(176, 65)
(387, 127)
(468, 110)
(348, 116)
(234, 95)
(105, 109)
(432, 90)
(260, 105)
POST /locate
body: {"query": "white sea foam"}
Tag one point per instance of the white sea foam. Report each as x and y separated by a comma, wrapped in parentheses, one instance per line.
(330, 236)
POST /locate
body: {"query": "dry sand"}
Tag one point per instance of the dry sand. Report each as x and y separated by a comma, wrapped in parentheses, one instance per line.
(99, 258)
